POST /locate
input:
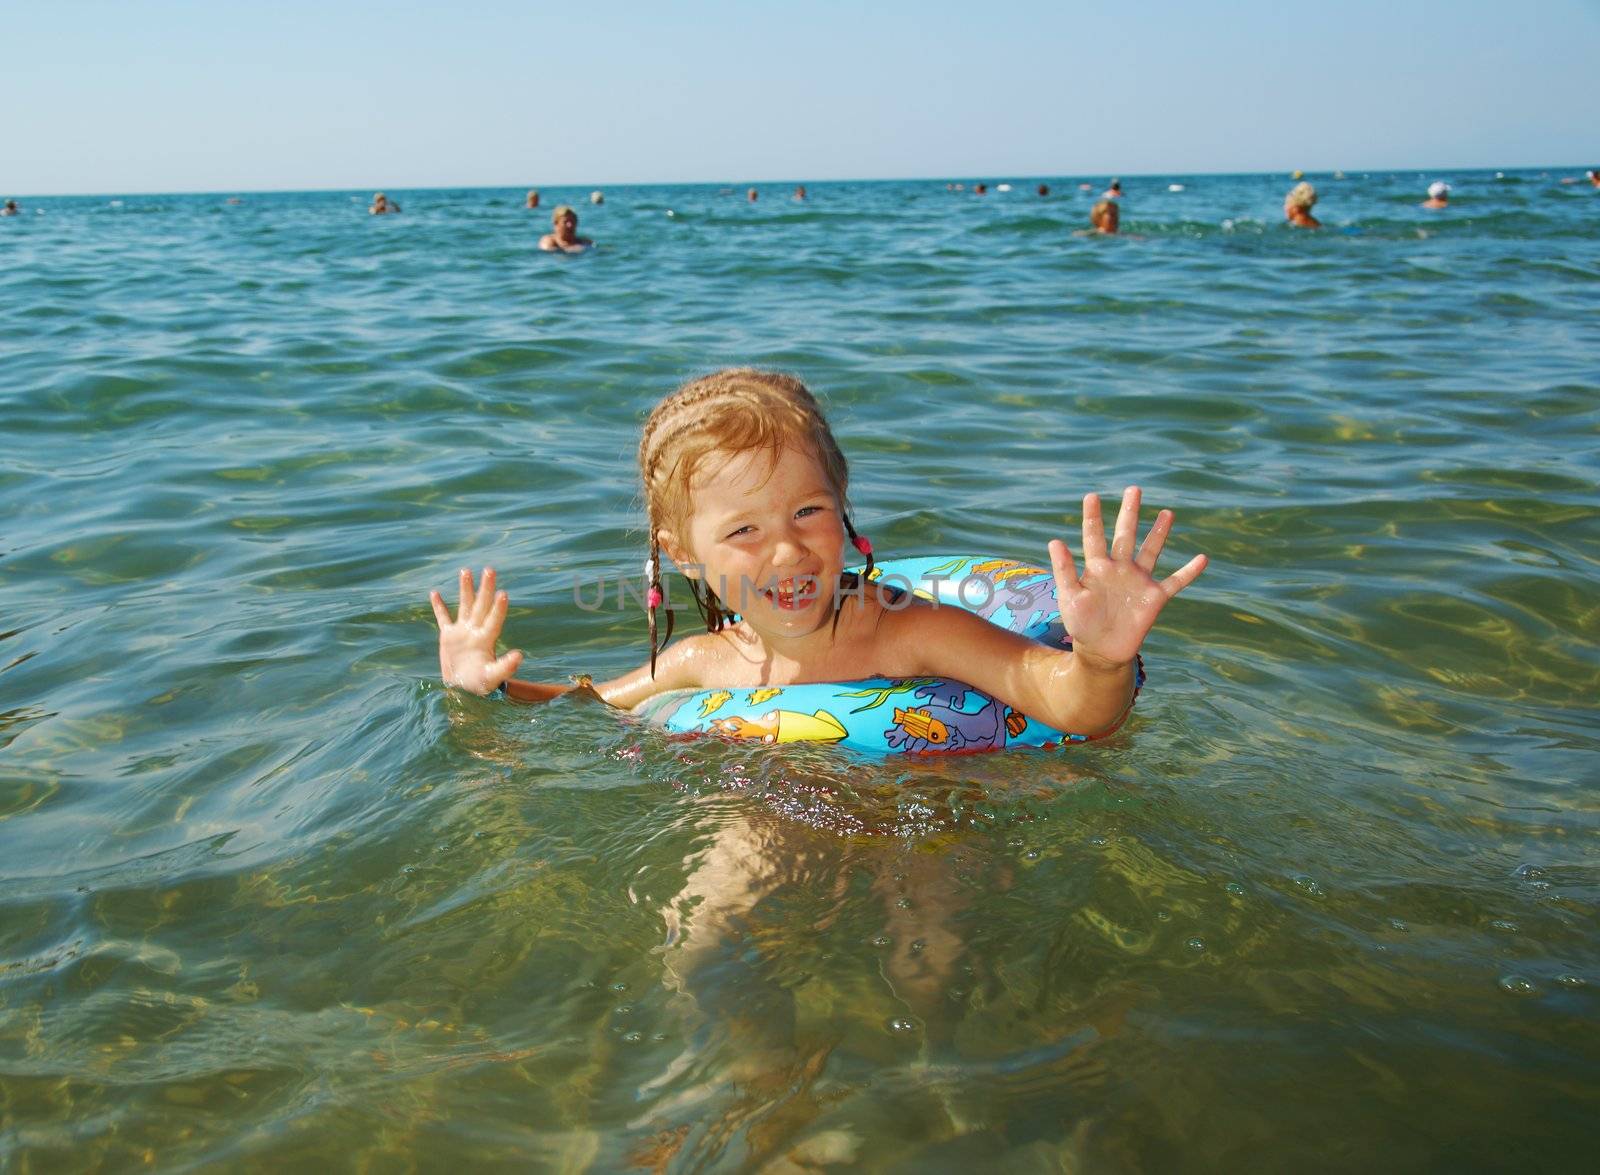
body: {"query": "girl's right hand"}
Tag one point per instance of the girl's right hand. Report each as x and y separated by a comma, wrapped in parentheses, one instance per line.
(466, 644)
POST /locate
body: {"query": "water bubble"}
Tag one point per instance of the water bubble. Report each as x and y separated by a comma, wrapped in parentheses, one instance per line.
(1527, 872)
(1235, 889)
(1571, 980)
(1097, 840)
(901, 1025)
(633, 1037)
(1308, 885)
(1196, 944)
(1517, 985)
(1163, 916)
(624, 1009)
(658, 1037)
(881, 941)
(619, 985)
(1031, 855)
(904, 903)
(1397, 924)
(918, 946)
(1504, 924)
(408, 869)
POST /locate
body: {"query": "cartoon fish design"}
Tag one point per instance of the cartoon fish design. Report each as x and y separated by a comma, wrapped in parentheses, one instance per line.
(715, 702)
(764, 694)
(920, 724)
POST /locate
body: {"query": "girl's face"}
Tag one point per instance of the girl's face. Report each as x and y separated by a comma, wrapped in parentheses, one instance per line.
(769, 536)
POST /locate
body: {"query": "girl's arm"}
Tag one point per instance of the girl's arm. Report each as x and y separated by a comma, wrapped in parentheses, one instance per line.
(1108, 612)
(467, 658)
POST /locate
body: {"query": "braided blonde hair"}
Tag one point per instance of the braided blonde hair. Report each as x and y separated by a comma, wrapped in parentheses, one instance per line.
(735, 410)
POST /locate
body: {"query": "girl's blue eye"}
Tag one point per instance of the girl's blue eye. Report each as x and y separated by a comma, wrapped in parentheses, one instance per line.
(740, 531)
(805, 510)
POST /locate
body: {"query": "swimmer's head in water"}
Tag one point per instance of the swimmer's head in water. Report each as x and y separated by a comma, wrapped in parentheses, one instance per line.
(1438, 190)
(561, 212)
(533, 197)
(1302, 196)
(736, 410)
(1105, 216)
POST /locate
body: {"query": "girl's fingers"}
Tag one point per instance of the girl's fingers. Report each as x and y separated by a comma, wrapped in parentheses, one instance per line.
(1154, 541)
(1094, 530)
(441, 614)
(1184, 576)
(1066, 571)
(1127, 525)
(485, 601)
(497, 613)
(465, 594)
(504, 667)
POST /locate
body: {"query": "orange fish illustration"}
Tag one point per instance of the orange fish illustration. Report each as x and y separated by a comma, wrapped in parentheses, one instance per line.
(920, 724)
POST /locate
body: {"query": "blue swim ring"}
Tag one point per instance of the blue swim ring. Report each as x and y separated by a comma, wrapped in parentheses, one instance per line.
(911, 716)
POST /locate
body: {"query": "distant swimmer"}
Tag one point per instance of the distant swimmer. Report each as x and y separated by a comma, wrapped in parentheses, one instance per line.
(1297, 206)
(981, 189)
(1085, 187)
(10, 209)
(564, 238)
(382, 205)
(1114, 192)
(1044, 189)
(1438, 195)
(800, 192)
(1106, 217)
(533, 198)
(752, 195)
(1594, 176)
(597, 197)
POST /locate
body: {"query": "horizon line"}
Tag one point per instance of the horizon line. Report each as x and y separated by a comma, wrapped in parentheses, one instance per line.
(943, 177)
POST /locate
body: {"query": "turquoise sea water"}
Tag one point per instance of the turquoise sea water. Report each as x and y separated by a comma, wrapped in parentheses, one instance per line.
(270, 896)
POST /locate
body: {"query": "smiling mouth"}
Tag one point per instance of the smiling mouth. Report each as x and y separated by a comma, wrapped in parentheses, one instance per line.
(793, 595)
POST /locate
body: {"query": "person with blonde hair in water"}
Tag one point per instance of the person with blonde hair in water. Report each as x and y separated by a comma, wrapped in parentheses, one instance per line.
(533, 198)
(1297, 206)
(382, 205)
(563, 235)
(1106, 217)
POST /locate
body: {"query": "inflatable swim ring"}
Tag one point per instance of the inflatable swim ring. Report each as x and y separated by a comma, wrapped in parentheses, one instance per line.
(914, 716)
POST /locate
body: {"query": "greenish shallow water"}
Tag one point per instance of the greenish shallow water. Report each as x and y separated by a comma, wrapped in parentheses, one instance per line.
(271, 896)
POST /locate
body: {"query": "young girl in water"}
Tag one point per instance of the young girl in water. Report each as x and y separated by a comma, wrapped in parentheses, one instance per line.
(745, 488)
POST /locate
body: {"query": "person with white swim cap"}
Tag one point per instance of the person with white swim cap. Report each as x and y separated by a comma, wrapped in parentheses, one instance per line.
(1438, 195)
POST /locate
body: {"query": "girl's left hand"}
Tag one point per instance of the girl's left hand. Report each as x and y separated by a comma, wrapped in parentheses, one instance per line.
(1111, 609)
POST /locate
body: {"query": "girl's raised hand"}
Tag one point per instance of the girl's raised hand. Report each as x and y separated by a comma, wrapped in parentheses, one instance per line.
(1112, 607)
(466, 644)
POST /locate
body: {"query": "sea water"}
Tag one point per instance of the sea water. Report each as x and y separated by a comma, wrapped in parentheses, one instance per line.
(271, 897)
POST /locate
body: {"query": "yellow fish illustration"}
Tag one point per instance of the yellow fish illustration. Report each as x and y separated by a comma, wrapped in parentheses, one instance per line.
(715, 702)
(1004, 569)
(764, 694)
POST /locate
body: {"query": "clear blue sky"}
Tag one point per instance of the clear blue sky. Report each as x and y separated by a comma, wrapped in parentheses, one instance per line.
(218, 95)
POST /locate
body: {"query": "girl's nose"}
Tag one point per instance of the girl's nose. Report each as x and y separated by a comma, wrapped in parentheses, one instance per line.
(787, 550)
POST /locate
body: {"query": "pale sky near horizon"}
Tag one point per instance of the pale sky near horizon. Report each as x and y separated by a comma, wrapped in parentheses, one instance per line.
(106, 96)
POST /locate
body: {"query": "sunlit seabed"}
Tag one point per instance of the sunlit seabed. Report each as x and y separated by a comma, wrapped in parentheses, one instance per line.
(272, 896)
